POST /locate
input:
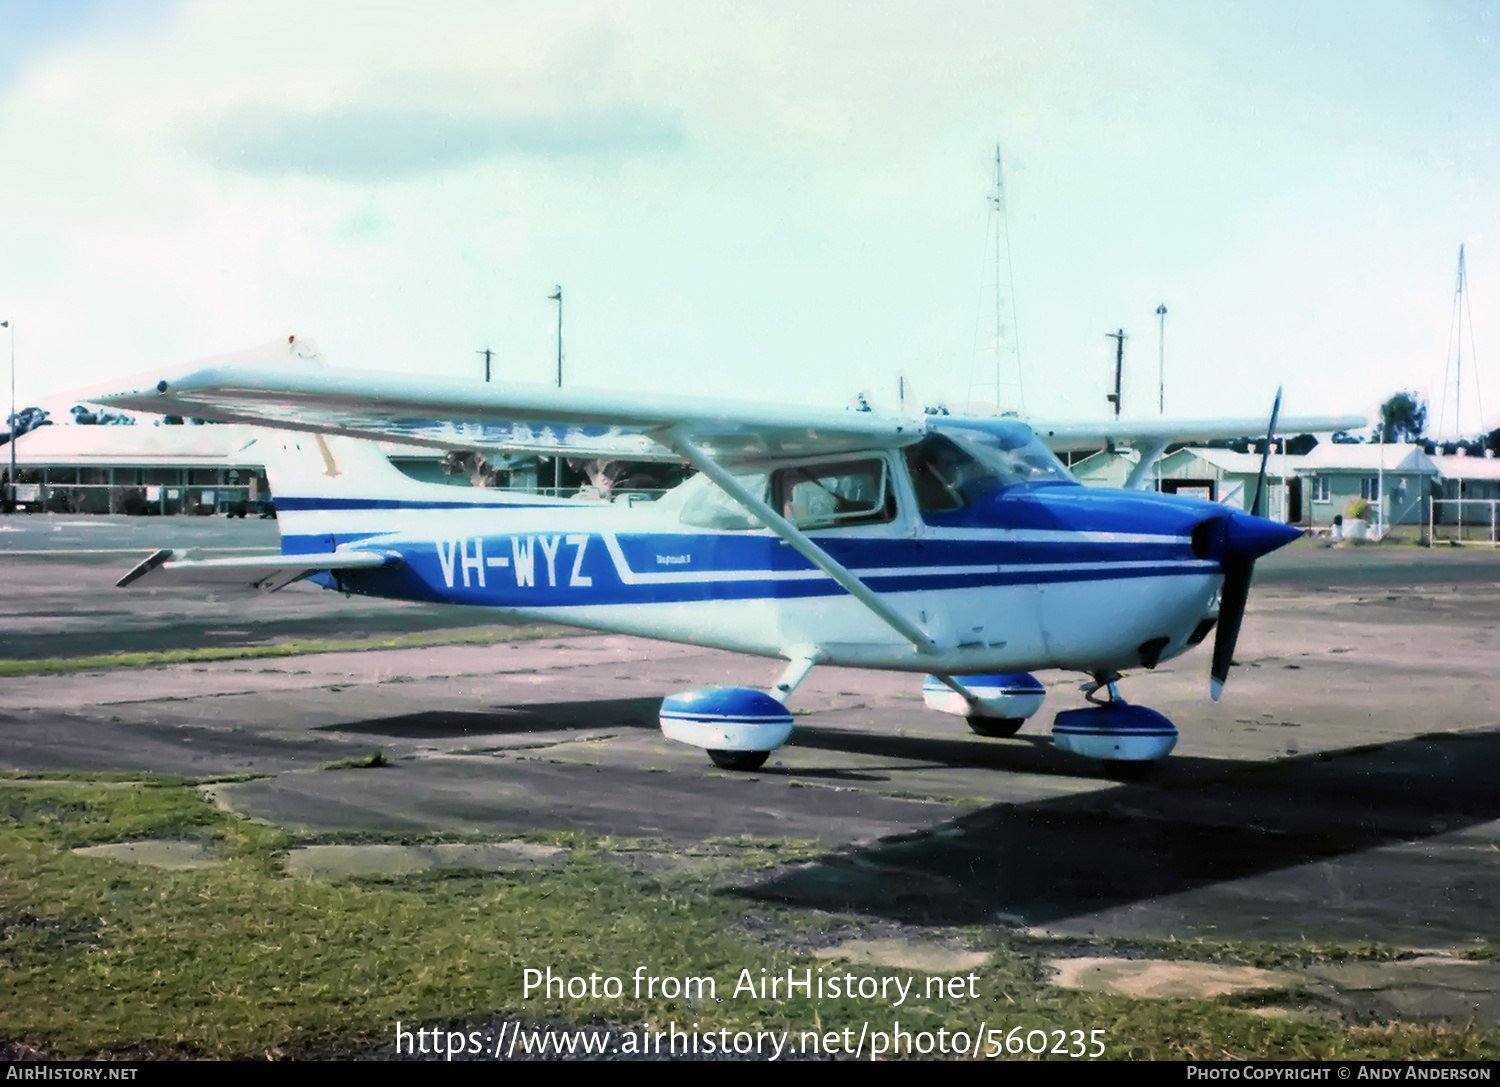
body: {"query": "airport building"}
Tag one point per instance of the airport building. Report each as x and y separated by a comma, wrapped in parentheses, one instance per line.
(136, 469)
(1315, 488)
(1399, 476)
(188, 469)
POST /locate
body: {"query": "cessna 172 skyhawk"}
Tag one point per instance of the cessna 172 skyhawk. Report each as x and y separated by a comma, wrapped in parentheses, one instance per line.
(956, 547)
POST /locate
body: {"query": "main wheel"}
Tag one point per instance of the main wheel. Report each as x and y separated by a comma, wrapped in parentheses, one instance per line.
(1127, 770)
(996, 727)
(739, 760)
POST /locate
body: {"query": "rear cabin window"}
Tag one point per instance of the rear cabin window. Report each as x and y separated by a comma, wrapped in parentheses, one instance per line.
(705, 506)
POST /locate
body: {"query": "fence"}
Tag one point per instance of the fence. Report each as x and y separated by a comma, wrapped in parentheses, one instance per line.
(1473, 520)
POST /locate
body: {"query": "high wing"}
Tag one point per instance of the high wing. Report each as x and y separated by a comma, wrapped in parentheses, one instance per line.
(449, 414)
(260, 387)
(1144, 433)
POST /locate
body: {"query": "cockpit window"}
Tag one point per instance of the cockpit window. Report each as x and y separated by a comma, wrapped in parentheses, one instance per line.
(825, 495)
(840, 493)
(939, 471)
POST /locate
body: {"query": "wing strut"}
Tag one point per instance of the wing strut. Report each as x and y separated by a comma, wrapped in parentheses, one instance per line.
(679, 440)
(1151, 452)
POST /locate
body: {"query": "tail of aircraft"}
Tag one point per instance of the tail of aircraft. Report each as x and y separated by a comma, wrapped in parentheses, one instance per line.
(331, 490)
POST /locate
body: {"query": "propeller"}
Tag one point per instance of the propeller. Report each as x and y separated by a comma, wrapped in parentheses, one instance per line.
(1240, 550)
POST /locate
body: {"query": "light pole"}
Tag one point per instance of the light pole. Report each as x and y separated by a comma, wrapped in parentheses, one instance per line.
(10, 504)
(556, 296)
(1161, 357)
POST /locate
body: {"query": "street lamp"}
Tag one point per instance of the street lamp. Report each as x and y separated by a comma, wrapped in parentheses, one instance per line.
(556, 296)
(1161, 358)
(10, 505)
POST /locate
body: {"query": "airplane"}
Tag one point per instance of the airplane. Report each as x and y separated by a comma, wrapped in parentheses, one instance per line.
(958, 548)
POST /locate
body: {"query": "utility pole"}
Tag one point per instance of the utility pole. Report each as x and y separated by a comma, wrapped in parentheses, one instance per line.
(556, 296)
(486, 353)
(1119, 338)
(1161, 358)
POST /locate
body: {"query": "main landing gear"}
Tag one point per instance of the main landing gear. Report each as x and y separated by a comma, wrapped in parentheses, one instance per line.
(737, 726)
(1127, 739)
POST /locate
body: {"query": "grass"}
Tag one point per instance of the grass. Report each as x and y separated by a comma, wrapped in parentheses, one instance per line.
(238, 960)
(297, 648)
(372, 761)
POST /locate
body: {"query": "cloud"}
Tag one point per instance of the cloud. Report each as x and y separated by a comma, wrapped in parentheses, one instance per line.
(372, 144)
(29, 30)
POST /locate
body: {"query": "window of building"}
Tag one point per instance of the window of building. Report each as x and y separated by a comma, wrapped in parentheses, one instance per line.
(1320, 491)
(1369, 488)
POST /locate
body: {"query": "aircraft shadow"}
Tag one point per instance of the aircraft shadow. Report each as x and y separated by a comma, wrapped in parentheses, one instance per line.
(1045, 861)
(509, 720)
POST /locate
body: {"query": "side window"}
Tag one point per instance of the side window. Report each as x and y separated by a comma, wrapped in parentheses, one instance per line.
(708, 507)
(840, 493)
(939, 469)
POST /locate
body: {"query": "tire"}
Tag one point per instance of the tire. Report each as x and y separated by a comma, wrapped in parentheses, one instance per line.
(1121, 770)
(995, 727)
(739, 760)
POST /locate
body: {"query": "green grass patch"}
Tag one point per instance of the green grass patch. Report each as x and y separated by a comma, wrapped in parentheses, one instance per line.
(99, 957)
(297, 648)
(372, 761)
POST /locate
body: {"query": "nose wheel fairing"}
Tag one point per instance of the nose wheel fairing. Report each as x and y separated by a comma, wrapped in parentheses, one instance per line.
(1007, 697)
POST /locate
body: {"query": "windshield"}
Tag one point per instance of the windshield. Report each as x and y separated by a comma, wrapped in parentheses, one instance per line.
(1013, 450)
(959, 465)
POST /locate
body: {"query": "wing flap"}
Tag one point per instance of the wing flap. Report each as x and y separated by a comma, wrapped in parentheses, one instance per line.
(260, 573)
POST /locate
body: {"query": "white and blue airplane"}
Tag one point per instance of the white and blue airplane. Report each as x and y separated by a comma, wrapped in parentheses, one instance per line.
(958, 548)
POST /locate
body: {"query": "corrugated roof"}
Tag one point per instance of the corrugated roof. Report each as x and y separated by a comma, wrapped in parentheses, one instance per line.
(1240, 464)
(1467, 467)
(137, 445)
(1393, 457)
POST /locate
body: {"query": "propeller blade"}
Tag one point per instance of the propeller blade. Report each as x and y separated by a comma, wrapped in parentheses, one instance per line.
(1256, 507)
(1239, 566)
(1232, 601)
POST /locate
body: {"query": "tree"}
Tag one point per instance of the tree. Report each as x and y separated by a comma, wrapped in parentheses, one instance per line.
(1402, 418)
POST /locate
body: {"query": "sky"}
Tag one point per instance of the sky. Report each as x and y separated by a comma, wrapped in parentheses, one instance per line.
(770, 201)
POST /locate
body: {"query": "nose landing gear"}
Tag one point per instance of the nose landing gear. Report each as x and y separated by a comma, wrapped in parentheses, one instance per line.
(1128, 739)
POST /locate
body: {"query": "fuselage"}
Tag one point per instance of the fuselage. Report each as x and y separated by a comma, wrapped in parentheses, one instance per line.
(1001, 573)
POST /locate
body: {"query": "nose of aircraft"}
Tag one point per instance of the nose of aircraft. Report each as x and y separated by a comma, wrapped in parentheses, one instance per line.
(1250, 537)
(1240, 537)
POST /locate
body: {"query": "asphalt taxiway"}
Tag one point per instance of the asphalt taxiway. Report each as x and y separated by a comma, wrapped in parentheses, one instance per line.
(1342, 792)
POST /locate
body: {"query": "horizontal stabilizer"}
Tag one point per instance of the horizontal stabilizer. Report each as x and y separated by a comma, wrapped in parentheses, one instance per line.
(262, 573)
